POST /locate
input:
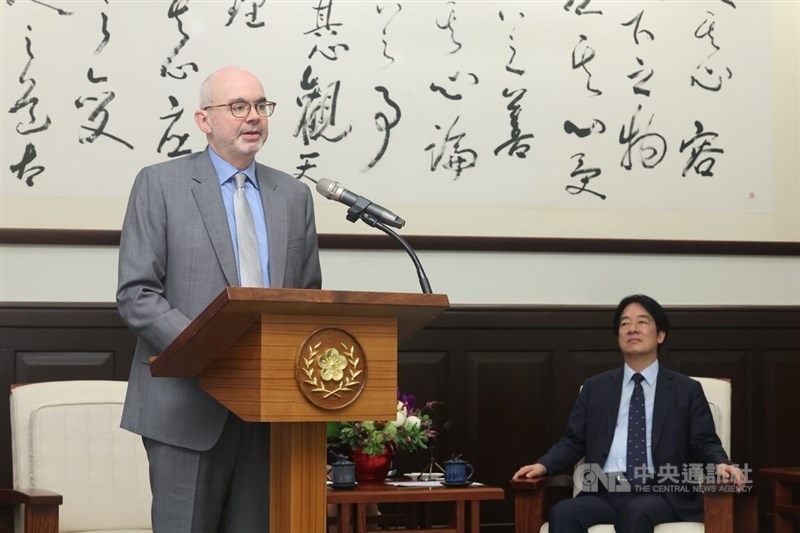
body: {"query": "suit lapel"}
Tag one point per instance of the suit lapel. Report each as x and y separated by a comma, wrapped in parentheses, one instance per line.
(277, 224)
(665, 396)
(614, 391)
(208, 196)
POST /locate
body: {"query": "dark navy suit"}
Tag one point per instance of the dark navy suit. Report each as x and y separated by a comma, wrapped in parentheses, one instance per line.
(683, 431)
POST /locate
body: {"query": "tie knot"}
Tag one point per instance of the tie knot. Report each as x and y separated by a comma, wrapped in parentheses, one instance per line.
(638, 378)
(240, 178)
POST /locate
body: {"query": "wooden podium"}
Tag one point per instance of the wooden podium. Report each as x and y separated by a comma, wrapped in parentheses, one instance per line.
(299, 358)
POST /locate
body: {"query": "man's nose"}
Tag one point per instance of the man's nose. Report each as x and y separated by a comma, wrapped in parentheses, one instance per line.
(252, 115)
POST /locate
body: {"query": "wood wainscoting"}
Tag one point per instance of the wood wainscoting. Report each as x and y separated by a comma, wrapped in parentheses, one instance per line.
(507, 375)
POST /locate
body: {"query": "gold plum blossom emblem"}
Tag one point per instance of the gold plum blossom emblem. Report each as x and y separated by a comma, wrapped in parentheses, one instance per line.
(332, 365)
(331, 368)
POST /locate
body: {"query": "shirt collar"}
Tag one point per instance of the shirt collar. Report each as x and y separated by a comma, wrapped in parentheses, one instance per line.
(225, 170)
(650, 373)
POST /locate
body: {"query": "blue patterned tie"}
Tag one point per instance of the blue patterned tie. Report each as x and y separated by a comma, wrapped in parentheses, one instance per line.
(637, 434)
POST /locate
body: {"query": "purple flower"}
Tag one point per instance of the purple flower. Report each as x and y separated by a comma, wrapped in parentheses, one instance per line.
(409, 400)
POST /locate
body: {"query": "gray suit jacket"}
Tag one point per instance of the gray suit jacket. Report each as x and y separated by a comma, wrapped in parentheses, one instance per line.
(176, 255)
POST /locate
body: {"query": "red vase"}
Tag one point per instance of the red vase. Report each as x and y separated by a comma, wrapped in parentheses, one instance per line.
(372, 467)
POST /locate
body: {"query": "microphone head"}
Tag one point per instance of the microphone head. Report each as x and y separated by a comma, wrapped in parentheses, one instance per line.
(327, 188)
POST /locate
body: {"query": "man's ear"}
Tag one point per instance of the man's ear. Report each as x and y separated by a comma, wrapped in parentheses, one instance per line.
(661, 336)
(201, 119)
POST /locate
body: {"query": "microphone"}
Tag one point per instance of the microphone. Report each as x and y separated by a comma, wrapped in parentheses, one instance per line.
(333, 191)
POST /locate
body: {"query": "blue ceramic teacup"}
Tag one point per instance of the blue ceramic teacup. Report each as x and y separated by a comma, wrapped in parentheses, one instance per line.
(342, 473)
(457, 472)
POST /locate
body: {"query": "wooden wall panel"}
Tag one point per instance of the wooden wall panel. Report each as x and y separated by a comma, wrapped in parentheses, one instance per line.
(782, 396)
(508, 376)
(507, 397)
(35, 367)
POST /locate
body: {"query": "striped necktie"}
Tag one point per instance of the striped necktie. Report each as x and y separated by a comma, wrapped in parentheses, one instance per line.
(247, 244)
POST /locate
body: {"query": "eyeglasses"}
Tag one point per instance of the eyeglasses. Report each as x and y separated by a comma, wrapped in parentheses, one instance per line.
(242, 109)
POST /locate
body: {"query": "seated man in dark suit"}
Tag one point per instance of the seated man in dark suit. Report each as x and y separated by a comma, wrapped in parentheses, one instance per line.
(641, 429)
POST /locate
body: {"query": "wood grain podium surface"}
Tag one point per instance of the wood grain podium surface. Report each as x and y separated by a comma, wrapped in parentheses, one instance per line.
(465, 516)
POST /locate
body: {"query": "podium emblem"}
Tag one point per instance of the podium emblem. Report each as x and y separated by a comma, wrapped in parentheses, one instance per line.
(331, 368)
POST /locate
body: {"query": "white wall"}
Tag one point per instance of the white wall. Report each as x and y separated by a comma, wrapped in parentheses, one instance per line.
(32, 273)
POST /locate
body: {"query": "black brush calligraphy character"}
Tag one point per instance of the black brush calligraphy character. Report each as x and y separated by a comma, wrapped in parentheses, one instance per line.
(27, 100)
(706, 76)
(580, 60)
(23, 171)
(458, 159)
(701, 147)
(636, 22)
(448, 25)
(581, 8)
(652, 147)
(597, 126)
(106, 34)
(516, 144)
(319, 110)
(384, 125)
(306, 165)
(60, 11)
(331, 54)
(324, 17)
(178, 72)
(509, 66)
(641, 76)
(252, 16)
(384, 39)
(168, 136)
(98, 116)
(586, 175)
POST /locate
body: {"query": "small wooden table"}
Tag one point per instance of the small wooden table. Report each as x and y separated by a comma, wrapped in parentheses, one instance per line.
(787, 482)
(465, 516)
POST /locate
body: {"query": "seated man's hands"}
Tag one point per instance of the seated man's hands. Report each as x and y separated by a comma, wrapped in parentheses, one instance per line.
(732, 474)
(530, 471)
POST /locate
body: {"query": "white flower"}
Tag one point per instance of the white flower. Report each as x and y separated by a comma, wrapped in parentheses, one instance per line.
(401, 415)
(412, 422)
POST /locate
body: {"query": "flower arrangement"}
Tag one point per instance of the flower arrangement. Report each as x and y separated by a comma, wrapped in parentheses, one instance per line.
(411, 430)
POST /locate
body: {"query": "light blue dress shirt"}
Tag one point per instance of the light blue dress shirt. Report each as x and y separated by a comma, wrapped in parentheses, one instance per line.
(225, 172)
(618, 454)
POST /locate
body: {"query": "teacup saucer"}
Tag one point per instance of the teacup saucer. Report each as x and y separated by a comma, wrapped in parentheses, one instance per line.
(352, 485)
(460, 484)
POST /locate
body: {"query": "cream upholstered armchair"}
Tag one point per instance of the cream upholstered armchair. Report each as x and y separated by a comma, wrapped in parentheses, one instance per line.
(67, 446)
(725, 512)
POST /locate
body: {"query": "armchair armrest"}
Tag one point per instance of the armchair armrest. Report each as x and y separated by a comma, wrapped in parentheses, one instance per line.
(529, 500)
(726, 510)
(41, 507)
(729, 510)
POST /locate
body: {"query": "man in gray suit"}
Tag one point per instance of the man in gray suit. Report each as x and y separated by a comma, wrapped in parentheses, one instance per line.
(208, 468)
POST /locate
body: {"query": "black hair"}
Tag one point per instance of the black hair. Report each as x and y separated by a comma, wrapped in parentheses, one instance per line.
(652, 307)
